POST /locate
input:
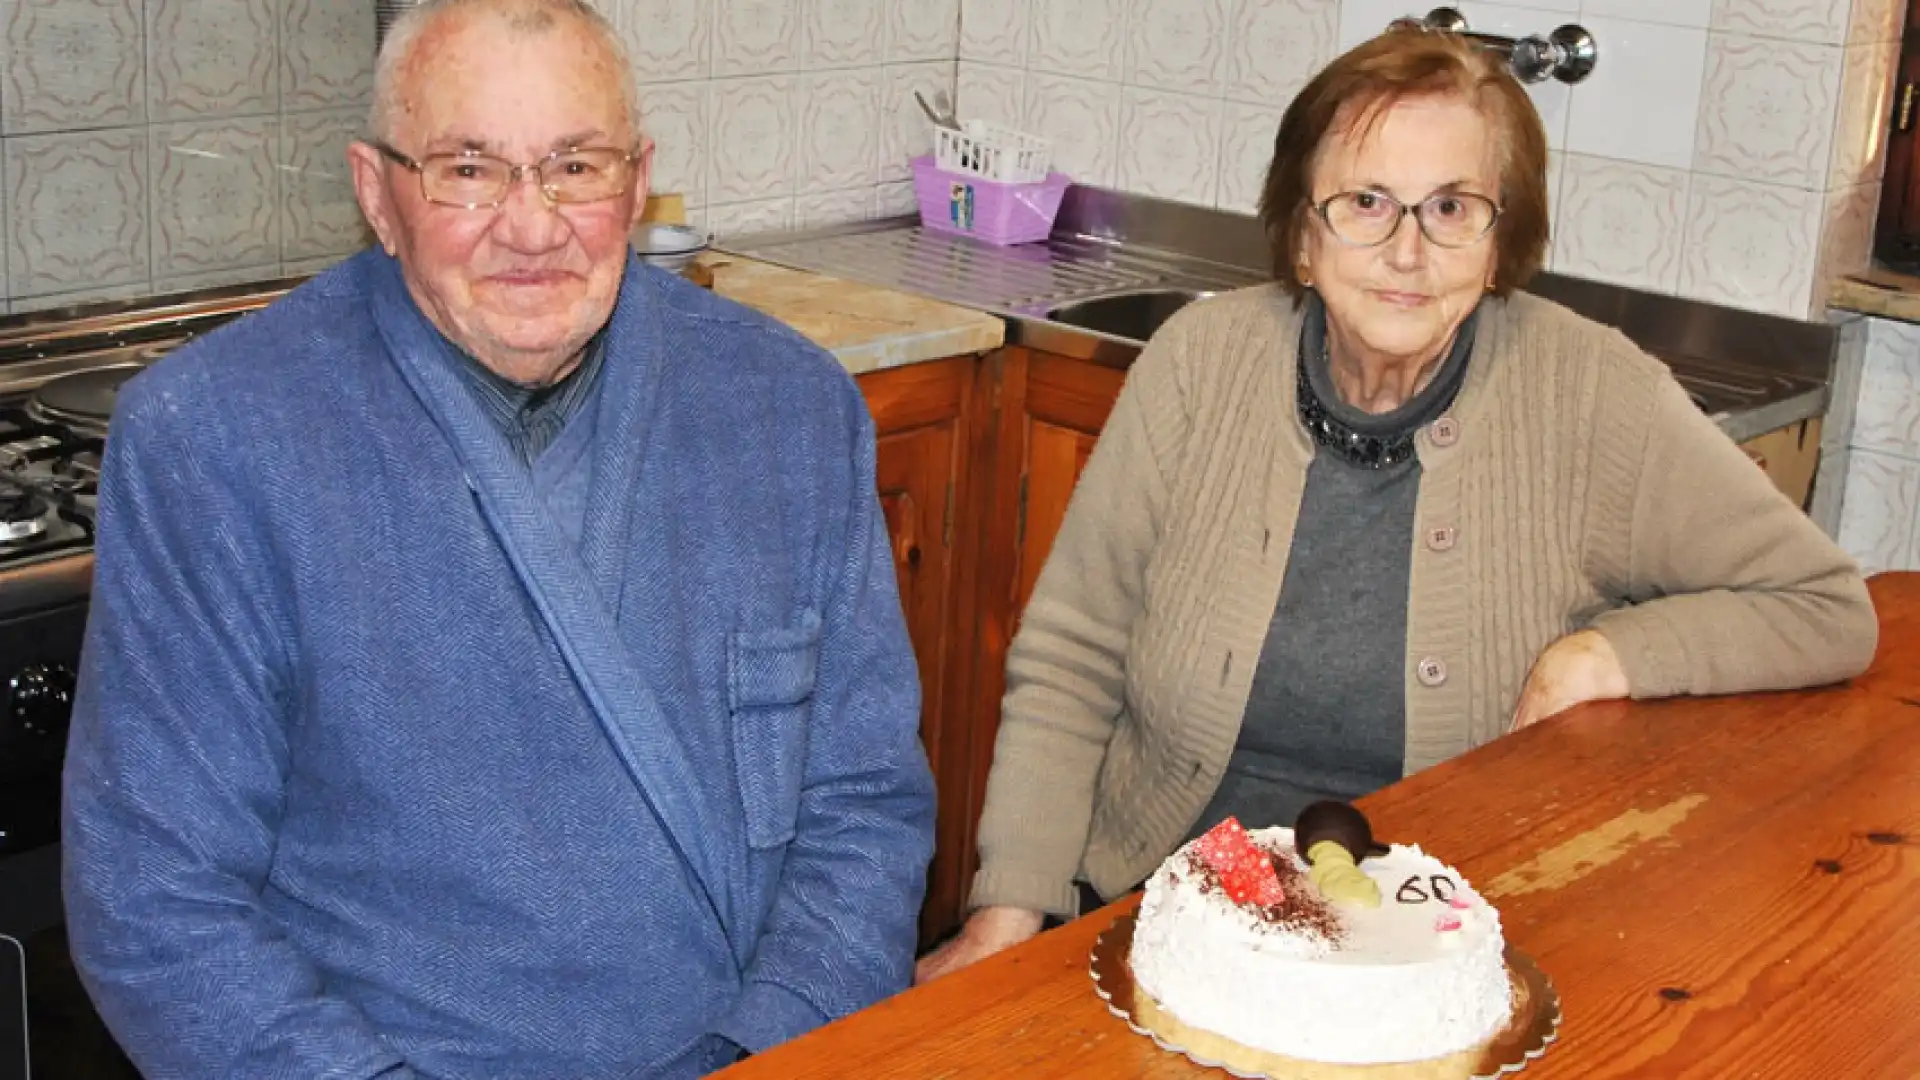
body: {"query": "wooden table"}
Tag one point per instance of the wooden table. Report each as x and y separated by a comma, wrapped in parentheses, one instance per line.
(1718, 887)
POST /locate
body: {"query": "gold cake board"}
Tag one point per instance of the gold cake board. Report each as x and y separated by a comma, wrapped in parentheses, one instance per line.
(1535, 1021)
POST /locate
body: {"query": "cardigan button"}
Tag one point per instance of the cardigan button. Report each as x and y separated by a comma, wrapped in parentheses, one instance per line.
(1441, 538)
(1445, 431)
(1431, 671)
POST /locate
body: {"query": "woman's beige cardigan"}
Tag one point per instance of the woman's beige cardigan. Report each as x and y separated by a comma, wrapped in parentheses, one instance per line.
(1572, 484)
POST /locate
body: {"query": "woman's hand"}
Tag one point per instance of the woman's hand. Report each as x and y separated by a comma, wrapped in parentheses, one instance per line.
(990, 930)
(1578, 668)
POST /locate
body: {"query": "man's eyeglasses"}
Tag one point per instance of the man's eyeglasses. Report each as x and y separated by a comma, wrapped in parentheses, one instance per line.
(475, 181)
(1370, 218)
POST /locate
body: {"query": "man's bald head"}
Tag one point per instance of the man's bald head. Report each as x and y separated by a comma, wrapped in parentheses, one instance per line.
(398, 66)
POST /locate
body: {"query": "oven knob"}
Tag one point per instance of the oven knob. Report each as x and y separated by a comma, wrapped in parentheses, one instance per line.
(40, 700)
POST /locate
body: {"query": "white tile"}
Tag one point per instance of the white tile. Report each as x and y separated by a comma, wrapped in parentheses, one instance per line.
(1828, 505)
(1876, 20)
(754, 142)
(1170, 145)
(215, 199)
(1877, 519)
(832, 208)
(730, 220)
(1866, 96)
(326, 55)
(844, 33)
(139, 290)
(1083, 38)
(1177, 45)
(996, 31)
(1697, 14)
(1887, 416)
(1277, 45)
(839, 129)
(1824, 21)
(319, 215)
(211, 58)
(75, 64)
(213, 279)
(1082, 121)
(1549, 97)
(990, 92)
(667, 39)
(923, 30)
(1363, 20)
(1767, 110)
(1641, 101)
(1750, 245)
(1562, 7)
(1846, 238)
(1246, 151)
(893, 200)
(757, 37)
(1620, 222)
(906, 133)
(676, 116)
(77, 213)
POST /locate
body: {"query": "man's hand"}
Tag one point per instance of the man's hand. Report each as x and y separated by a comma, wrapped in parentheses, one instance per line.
(1578, 668)
(989, 931)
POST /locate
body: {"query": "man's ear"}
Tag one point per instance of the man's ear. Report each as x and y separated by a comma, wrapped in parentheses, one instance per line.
(642, 180)
(370, 189)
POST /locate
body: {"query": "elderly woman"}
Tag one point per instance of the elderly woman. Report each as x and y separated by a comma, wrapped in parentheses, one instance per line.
(1344, 527)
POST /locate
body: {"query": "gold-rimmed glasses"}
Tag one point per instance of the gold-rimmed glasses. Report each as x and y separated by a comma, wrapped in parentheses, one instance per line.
(472, 180)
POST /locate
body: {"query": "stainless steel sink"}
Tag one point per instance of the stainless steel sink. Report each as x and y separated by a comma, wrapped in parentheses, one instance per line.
(1132, 315)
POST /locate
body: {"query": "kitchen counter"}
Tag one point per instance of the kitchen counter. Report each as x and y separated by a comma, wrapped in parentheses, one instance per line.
(866, 327)
(1717, 887)
(1887, 294)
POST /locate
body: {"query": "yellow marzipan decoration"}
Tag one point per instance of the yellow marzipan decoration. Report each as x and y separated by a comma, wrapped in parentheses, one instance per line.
(1339, 879)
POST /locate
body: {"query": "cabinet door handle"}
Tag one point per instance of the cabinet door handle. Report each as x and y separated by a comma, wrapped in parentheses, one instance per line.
(1905, 118)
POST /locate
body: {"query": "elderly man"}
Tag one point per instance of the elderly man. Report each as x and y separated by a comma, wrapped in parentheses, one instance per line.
(495, 668)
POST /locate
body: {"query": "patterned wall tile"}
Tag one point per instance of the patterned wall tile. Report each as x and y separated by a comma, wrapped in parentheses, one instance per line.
(298, 267)
(1846, 238)
(214, 279)
(753, 143)
(893, 200)
(1866, 98)
(730, 220)
(1877, 522)
(839, 129)
(667, 39)
(1887, 416)
(69, 64)
(1828, 505)
(76, 211)
(1082, 121)
(1177, 45)
(319, 215)
(1170, 145)
(923, 30)
(676, 117)
(832, 208)
(756, 37)
(1621, 223)
(1079, 37)
(20, 305)
(1750, 245)
(1276, 46)
(211, 58)
(1246, 151)
(1794, 20)
(326, 54)
(1767, 110)
(905, 131)
(996, 31)
(214, 196)
(991, 92)
(844, 33)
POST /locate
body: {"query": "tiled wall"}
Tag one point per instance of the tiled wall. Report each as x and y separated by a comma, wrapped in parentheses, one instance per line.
(1725, 150)
(1868, 493)
(778, 113)
(152, 145)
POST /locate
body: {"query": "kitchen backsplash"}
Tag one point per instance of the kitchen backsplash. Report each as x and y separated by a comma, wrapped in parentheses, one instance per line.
(154, 145)
(1726, 150)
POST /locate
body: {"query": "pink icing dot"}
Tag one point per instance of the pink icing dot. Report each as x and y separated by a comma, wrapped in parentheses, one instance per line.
(1447, 921)
(1458, 902)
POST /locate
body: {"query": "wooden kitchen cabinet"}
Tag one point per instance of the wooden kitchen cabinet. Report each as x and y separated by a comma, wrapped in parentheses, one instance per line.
(1896, 239)
(1789, 456)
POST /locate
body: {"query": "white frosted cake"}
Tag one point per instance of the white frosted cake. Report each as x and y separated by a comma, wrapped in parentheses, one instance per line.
(1411, 972)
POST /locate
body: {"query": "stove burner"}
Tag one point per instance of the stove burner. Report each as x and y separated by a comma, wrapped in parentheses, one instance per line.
(23, 515)
(82, 400)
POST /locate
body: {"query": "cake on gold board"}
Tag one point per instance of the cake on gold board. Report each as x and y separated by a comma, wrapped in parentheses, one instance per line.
(1313, 953)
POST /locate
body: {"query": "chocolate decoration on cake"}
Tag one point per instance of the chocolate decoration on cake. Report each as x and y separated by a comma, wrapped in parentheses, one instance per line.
(1339, 822)
(1334, 837)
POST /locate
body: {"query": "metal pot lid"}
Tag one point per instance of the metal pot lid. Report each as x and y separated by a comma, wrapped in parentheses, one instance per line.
(83, 400)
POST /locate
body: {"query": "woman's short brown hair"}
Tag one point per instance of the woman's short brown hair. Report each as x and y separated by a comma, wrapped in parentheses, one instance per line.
(1357, 88)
